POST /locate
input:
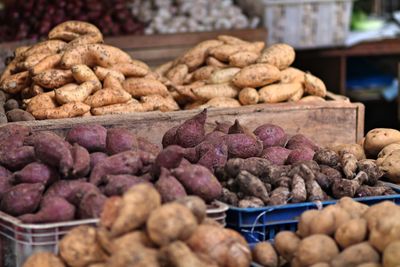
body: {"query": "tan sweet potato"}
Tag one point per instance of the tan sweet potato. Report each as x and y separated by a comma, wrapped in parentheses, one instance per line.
(196, 56)
(101, 73)
(248, 96)
(164, 68)
(31, 61)
(279, 55)
(212, 61)
(297, 96)
(128, 107)
(314, 86)
(15, 83)
(256, 75)
(291, 75)
(69, 110)
(43, 259)
(135, 68)
(53, 78)
(48, 62)
(312, 98)
(107, 97)
(77, 33)
(177, 74)
(279, 92)
(211, 91)
(242, 59)
(70, 93)
(158, 102)
(187, 90)
(220, 102)
(223, 75)
(222, 52)
(203, 73)
(83, 73)
(138, 87)
(50, 46)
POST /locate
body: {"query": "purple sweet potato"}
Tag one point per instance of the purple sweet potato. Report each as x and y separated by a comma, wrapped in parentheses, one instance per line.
(52, 209)
(243, 146)
(12, 142)
(299, 141)
(192, 132)
(169, 137)
(71, 190)
(13, 130)
(214, 137)
(54, 151)
(148, 146)
(116, 185)
(5, 180)
(81, 166)
(169, 187)
(214, 158)
(91, 137)
(91, 205)
(191, 154)
(120, 140)
(128, 162)
(169, 158)
(22, 199)
(237, 128)
(276, 154)
(36, 172)
(271, 135)
(198, 180)
(96, 157)
(303, 154)
(17, 158)
(4, 172)
(222, 126)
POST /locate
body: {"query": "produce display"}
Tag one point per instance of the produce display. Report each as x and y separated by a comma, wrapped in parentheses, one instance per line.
(346, 234)
(169, 16)
(21, 20)
(136, 230)
(46, 178)
(229, 72)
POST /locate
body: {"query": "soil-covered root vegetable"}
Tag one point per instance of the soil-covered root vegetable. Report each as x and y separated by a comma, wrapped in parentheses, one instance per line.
(134, 68)
(91, 137)
(169, 187)
(134, 255)
(49, 62)
(355, 149)
(291, 75)
(138, 87)
(326, 157)
(124, 108)
(254, 165)
(196, 56)
(102, 73)
(79, 247)
(349, 165)
(137, 205)
(191, 132)
(52, 209)
(251, 185)
(19, 115)
(15, 83)
(265, 254)
(286, 244)
(299, 192)
(36, 172)
(41, 103)
(53, 78)
(256, 75)
(351, 233)
(158, 102)
(390, 166)
(223, 75)
(22, 198)
(378, 138)
(43, 259)
(316, 249)
(31, 61)
(169, 223)
(222, 52)
(279, 55)
(242, 59)
(391, 257)
(177, 74)
(83, 73)
(68, 94)
(314, 85)
(355, 255)
(74, 32)
(107, 97)
(370, 167)
(69, 110)
(250, 202)
(271, 135)
(248, 96)
(280, 92)
(211, 91)
(94, 54)
(196, 205)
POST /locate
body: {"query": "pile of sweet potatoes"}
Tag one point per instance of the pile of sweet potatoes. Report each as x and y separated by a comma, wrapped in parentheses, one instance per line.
(136, 230)
(47, 178)
(345, 234)
(268, 167)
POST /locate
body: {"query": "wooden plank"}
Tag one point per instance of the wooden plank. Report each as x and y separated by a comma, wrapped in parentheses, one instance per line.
(327, 123)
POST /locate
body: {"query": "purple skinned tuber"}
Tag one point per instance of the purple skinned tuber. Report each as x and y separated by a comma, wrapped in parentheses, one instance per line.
(243, 146)
(222, 127)
(276, 154)
(96, 157)
(214, 158)
(148, 146)
(5, 180)
(298, 155)
(169, 187)
(271, 135)
(299, 141)
(169, 137)
(36, 172)
(214, 137)
(91, 205)
(119, 140)
(52, 209)
(22, 199)
(70, 190)
(91, 137)
(192, 132)
(169, 158)
(18, 157)
(116, 185)
(81, 156)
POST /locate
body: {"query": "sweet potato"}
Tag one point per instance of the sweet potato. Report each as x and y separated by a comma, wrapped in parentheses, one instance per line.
(91, 205)
(49, 62)
(15, 83)
(196, 205)
(52, 209)
(76, 33)
(198, 180)
(91, 137)
(169, 187)
(120, 140)
(157, 102)
(177, 74)
(44, 259)
(223, 75)
(203, 73)
(36, 173)
(191, 132)
(276, 154)
(265, 254)
(19, 115)
(256, 75)
(69, 110)
(280, 55)
(280, 92)
(81, 157)
(53, 78)
(71, 190)
(22, 199)
(17, 157)
(314, 85)
(117, 185)
(196, 56)
(96, 157)
(248, 96)
(54, 151)
(298, 155)
(271, 135)
(169, 158)
(243, 146)
(291, 75)
(215, 157)
(131, 106)
(221, 102)
(211, 91)
(138, 87)
(242, 59)
(299, 141)
(148, 146)
(108, 97)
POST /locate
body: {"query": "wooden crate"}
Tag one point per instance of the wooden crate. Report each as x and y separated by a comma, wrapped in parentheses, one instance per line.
(327, 122)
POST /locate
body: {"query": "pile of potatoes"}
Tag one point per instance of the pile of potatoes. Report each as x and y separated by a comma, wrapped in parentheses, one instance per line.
(230, 72)
(348, 234)
(74, 74)
(136, 230)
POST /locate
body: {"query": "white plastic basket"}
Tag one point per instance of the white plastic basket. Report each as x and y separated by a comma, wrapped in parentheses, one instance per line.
(303, 23)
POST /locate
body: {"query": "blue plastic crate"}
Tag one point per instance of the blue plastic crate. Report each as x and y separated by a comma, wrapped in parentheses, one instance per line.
(248, 218)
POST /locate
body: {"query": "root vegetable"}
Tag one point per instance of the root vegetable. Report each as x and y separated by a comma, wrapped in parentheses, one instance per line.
(391, 256)
(102, 73)
(69, 94)
(279, 196)
(169, 187)
(271, 135)
(177, 74)
(265, 254)
(243, 145)
(251, 185)
(191, 132)
(53, 78)
(69, 110)
(256, 75)
(120, 140)
(223, 75)
(299, 193)
(356, 255)
(134, 68)
(36, 173)
(276, 93)
(351, 233)
(299, 141)
(251, 202)
(22, 199)
(196, 205)
(44, 259)
(378, 138)
(279, 55)
(117, 185)
(19, 115)
(291, 75)
(91, 205)
(300, 155)
(248, 96)
(81, 157)
(138, 87)
(157, 102)
(316, 249)
(48, 62)
(390, 166)
(326, 157)
(196, 56)
(348, 188)
(286, 244)
(178, 254)
(242, 59)
(222, 52)
(91, 137)
(211, 91)
(314, 86)
(255, 166)
(371, 169)
(349, 163)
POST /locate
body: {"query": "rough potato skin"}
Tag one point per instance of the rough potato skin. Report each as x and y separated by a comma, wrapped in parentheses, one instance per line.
(43, 259)
(351, 233)
(355, 255)
(251, 185)
(265, 254)
(22, 199)
(326, 157)
(91, 137)
(371, 169)
(315, 249)
(254, 165)
(299, 192)
(286, 244)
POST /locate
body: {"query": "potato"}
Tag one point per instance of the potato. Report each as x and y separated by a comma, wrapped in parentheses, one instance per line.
(292, 75)
(265, 254)
(303, 228)
(107, 97)
(178, 254)
(316, 249)
(314, 85)
(69, 110)
(220, 102)
(196, 205)
(43, 259)
(351, 233)
(276, 93)
(355, 255)
(386, 230)
(135, 237)
(329, 220)
(378, 138)
(279, 55)
(223, 75)
(134, 255)
(354, 149)
(391, 256)
(256, 75)
(79, 247)
(169, 223)
(138, 87)
(248, 96)
(354, 208)
(177, 74)
(390, 166)
(211, 91)
(286, 244)
(70, 93)
(242, 59)
(15, 83)
(387, 150)
(212, 61)
(196, 56)
(377, 211)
